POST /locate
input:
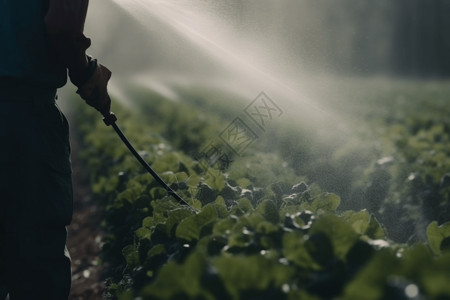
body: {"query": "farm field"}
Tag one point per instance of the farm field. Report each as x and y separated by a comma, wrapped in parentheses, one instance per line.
(278, 209)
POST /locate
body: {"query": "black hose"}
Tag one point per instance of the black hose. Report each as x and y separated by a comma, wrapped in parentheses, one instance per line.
(111, 120)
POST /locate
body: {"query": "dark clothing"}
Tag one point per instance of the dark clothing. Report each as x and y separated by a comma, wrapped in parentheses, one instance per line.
(24, 47)
(35, 193)
(35, 170)
(39, 41)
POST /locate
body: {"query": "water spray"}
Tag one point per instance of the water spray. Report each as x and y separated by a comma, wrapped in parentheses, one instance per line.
(110, 120)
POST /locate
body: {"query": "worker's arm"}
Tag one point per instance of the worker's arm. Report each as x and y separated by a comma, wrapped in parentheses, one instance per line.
(65, 24)
(66, 15)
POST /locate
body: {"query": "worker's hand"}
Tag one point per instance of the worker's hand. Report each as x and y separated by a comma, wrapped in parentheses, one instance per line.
(94, 89)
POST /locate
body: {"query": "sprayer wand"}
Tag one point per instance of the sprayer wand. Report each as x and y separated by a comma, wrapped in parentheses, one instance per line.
(111, 119)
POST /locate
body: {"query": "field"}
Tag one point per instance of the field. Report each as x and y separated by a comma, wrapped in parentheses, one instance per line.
(278, 210)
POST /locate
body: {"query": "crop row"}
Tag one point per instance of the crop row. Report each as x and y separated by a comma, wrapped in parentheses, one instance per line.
(256, 230)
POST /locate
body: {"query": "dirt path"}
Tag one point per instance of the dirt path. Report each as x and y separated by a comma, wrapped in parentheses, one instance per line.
(84, 235)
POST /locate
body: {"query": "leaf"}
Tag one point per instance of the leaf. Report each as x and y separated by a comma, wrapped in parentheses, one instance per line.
(241, 239)
(436, 277)
(156, 250)
(269, 210)
(358, 220)
(223, 227)
(216, 180)
(181, 177)
(294, 249)
(375, 230)
(250, 273)
(175, 217)
(189, 229)
(143, 233)
(221, 209)
(371, 280)
(131, 194)
(220, 201)
(162, 206)
(176, 280)
(340, 233)
(161, 166)
(197, 204)
(148, 222)
(243, 232)
(243, 182)
(127, 295)
(245, 205)
(131, 255)
(365, 224)
(193, 180)
(250, 220)
(438, 237)
(327, 203)
(267, 228)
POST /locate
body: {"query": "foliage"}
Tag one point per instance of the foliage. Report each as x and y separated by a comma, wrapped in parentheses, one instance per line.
(248, 237)
(407, 183)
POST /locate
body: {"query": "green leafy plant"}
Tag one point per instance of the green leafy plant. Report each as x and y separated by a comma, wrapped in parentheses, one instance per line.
(263, 230)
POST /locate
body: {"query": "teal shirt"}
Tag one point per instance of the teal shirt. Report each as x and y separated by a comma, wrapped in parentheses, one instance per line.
(24, 48)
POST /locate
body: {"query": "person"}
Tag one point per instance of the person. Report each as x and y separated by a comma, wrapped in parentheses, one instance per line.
(42, 42)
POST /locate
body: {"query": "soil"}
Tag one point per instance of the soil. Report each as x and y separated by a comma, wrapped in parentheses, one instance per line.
(84, 235)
